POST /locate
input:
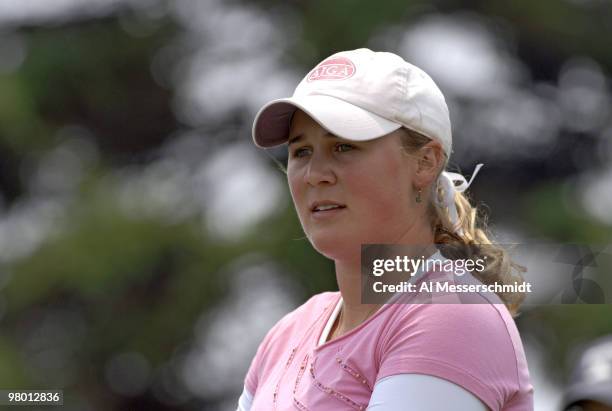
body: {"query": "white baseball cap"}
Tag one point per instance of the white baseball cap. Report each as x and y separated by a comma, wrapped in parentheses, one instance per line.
(360, 95)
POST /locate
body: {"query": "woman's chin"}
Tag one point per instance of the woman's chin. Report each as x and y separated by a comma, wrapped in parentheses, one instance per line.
(335, 247)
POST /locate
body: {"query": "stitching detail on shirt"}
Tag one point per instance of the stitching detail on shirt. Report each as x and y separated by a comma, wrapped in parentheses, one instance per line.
(280, 378)
(330, 391)
(300, 373)
(273, 333)
(357, 375)
(299, 405)
(296, 402)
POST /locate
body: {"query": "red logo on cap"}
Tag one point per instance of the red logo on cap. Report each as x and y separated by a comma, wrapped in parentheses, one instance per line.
(336, 68)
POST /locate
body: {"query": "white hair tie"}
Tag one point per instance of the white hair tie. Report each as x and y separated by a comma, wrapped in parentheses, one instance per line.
(447, 181)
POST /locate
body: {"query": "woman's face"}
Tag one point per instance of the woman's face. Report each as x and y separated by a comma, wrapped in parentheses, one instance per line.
(350, 193)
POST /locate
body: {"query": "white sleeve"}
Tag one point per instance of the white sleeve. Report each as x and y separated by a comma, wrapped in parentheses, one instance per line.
(420, 392)
(245, 401)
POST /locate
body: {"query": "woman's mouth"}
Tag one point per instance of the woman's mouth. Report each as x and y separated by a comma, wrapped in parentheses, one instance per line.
(326, 209)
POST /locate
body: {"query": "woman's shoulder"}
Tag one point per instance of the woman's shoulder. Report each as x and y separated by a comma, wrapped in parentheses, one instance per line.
(481, 312)
(479, 337)
(313, 307)
(319, 301)
(474, 323)
(304, 314)
(474, 345)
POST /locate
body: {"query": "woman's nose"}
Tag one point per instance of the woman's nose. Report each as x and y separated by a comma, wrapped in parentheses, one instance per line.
(319, 171)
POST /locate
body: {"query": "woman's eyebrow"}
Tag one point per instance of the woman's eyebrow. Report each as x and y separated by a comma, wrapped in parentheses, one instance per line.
(294, 139)
(298, 137)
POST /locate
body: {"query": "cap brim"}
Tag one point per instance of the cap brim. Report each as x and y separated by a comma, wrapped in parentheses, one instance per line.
(272, 122)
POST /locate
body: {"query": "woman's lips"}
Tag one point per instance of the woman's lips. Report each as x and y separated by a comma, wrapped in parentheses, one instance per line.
(327, 214)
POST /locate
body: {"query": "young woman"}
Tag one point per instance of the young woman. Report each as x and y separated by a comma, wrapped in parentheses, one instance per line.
(369, 137)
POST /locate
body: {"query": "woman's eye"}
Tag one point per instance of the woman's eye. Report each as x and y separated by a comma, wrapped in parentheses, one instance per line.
(304, 151)
(342, 147)
(300, 152)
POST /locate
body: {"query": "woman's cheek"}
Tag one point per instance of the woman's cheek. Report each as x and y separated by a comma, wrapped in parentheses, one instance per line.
(297, 195)
(372, 194)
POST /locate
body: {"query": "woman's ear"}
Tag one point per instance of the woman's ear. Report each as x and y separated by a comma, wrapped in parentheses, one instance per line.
(430, 159)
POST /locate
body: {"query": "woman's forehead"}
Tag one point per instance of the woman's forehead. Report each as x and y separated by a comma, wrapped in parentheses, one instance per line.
(300, 119)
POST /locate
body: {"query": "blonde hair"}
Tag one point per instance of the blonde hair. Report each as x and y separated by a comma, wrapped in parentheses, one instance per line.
(474, 240)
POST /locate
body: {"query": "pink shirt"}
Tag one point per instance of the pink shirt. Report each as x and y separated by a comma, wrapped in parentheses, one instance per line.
(475, 346)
